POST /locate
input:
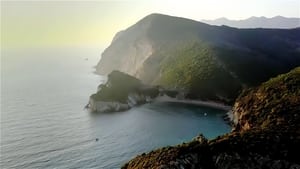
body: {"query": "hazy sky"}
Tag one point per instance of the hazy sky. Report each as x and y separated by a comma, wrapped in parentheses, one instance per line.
(94, 23)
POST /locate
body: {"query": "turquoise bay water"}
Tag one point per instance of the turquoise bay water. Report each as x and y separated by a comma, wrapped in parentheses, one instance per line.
(44, 125)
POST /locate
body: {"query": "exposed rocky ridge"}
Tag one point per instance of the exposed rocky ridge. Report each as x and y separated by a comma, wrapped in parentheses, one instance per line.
(157, 49)
(262, 137)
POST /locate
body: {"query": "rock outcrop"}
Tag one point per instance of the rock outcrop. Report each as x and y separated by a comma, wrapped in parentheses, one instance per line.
(266, 134)
(121, 92)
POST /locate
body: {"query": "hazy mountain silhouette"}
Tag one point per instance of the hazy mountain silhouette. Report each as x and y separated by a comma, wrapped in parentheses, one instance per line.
(258, 22)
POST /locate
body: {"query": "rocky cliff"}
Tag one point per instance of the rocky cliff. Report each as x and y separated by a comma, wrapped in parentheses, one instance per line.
(121, 92)
(266, 134)
(211, 62)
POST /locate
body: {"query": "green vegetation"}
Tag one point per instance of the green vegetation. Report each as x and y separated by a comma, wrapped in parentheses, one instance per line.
(110, 95)
(195, 68)
(117, 88)
(190, 64)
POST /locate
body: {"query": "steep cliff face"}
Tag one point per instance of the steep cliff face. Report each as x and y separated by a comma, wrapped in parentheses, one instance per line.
(128, 50)
(185, 54)
(124, 56)
(266, 135)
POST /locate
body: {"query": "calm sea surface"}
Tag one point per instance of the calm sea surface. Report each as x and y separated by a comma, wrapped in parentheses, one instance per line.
(44, 125)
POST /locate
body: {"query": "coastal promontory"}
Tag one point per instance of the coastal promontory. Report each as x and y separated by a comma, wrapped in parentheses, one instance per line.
(121, 92)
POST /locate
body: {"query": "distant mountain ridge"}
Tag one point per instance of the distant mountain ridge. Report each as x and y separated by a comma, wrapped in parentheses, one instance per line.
(257, 22)
(208, 62)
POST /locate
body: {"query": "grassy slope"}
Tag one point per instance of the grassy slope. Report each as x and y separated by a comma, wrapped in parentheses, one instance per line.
(196, 69)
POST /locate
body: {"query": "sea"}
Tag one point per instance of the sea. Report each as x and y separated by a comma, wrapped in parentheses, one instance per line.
(44, 124)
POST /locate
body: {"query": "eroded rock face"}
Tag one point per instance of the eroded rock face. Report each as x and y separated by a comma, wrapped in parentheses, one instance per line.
(266, 134)
(127, 52)
(104, 106)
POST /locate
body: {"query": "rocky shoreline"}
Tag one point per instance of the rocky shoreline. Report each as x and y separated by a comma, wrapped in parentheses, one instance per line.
(266, 134)
(122, 92)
